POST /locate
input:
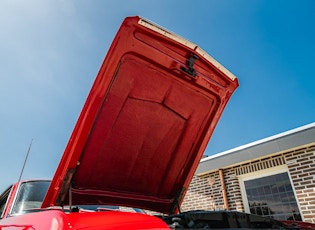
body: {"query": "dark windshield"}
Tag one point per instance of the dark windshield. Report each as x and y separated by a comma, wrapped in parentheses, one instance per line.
(3, 199)
(30, 196)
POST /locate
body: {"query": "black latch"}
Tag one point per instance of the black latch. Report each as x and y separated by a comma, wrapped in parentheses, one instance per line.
(190, 65)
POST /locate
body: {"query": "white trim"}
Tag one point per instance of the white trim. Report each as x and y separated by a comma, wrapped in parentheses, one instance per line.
(183, 41)
(166, 33)
(260, 174)
(264, 140)
(256, 175)
(215, 63)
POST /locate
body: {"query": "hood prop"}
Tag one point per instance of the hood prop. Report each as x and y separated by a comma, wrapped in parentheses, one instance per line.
(65, 188)
(176, 203)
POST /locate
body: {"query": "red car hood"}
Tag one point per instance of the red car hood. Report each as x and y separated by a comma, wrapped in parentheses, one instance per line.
(145, 124)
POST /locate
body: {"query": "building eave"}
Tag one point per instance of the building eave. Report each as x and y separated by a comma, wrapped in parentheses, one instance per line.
(285, 141)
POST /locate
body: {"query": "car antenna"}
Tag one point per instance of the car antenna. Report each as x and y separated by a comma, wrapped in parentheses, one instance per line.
(28, 151)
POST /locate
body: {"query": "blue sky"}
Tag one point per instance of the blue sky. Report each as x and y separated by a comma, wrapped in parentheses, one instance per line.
(51, 51)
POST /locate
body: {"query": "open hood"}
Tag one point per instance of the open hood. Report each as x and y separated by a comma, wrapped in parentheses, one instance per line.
(145, 124)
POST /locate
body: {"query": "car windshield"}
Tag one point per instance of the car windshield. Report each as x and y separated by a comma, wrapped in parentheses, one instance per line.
(30, 196)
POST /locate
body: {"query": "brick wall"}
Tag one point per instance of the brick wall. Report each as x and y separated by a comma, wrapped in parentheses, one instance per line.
(301, 164)
(233, 190)
(205, 192)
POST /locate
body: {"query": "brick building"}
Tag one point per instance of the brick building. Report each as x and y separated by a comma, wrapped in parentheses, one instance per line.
(273, 177)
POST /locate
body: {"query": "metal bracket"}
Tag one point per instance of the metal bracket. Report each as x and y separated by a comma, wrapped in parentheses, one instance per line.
(176, 202)
(190, 66)
(65, 187)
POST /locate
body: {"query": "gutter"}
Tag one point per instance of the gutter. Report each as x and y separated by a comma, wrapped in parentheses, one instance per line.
(223, 187)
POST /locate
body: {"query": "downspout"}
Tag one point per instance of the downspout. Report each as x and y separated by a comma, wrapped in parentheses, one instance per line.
(225, 199)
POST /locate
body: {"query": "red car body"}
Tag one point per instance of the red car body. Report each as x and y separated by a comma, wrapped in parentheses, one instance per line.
(140, 136)
(299, 225)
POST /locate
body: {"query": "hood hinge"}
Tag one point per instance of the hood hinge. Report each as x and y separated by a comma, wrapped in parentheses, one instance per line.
(190, 66)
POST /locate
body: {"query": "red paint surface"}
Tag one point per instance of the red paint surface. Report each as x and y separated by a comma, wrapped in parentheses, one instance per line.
(140, 135)
(144, 126)
(57, 220)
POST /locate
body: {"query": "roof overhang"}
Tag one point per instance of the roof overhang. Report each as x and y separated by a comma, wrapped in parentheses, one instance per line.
(286, 141)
